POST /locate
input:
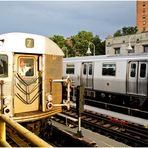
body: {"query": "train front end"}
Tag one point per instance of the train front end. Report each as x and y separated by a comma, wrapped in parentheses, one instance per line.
(28, 63)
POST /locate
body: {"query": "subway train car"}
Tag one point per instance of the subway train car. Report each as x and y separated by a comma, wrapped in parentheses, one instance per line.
(120, 80)
(28, 66)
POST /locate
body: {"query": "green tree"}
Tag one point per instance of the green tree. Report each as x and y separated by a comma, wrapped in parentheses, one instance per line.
(99, 45)
(80, 42)
(59, 40)
(125, 31)
(117, 33)
(77, 45)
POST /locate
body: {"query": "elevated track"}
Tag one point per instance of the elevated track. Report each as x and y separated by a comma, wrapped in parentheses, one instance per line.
(129, 133)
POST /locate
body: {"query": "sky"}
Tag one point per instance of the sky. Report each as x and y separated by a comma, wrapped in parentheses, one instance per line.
(66, 18)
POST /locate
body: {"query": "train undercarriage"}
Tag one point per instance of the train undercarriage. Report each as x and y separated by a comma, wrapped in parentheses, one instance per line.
(127, 104)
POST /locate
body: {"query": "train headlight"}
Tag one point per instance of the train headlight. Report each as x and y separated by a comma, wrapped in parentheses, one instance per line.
(6, 101)
(7, 105)
(7, 109)
(49, 98)
(49, 104)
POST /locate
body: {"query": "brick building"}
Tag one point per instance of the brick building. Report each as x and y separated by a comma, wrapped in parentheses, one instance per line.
(142, 15)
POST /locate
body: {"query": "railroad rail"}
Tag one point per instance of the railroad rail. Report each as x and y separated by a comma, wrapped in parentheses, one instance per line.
(21, 131)
(18, 136)
(129, 133)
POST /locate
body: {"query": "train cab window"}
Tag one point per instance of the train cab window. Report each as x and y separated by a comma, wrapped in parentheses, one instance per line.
(143, 70)
(70, 69)
(109, 69)
(3, 66)
(26, 66)
(133, 70)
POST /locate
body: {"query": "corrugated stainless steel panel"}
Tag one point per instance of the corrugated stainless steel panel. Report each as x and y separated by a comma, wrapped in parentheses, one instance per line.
(52, 69)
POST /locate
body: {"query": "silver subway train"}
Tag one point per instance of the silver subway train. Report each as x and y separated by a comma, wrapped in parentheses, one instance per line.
(115, 79)
(28, 68)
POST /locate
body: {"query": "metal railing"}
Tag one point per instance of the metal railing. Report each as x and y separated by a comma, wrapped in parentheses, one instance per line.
(29, 136)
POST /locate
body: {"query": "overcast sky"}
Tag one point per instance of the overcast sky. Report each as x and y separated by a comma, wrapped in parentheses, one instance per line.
(66, 18)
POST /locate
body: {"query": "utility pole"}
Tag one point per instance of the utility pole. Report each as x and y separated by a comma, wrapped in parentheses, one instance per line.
(80, 105)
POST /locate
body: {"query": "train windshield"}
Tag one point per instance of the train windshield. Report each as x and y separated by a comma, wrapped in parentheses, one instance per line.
(26, 66)
(3, 66)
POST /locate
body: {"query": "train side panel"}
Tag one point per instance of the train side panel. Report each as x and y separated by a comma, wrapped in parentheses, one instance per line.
(110, 76)
(52, 70)
(72, 69)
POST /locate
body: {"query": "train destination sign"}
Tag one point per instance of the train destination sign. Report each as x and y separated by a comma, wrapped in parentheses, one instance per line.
(29, 42)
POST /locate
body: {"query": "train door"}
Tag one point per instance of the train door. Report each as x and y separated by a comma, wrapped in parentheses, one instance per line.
(26, 83)
(137, 78)
(87, 74)
(142, 78)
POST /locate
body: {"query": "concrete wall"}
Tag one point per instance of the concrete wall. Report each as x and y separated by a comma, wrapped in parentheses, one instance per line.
(138, 41)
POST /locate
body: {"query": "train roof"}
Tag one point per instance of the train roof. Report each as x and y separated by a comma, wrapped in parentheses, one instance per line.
(107, 57)
(28, 43)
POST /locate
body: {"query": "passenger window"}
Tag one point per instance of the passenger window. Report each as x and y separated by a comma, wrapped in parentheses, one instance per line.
(143, 70)
(133, 70)
(90, 69)
(3, 66)
(84, 69)
(70, 69)
(109, 69)
(26, 66)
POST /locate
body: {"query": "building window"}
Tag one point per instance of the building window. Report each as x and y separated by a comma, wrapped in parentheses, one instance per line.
(144, 22)
(117, 50)
(109, 69)
(70, 69)
(143, 17)
(108, 44)
(145, 47)
(143, 4)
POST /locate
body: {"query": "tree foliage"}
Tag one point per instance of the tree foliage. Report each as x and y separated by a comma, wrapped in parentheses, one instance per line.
(100, 45)
(125, 31)
(59, 40)
(77, 45)
(80, 42)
